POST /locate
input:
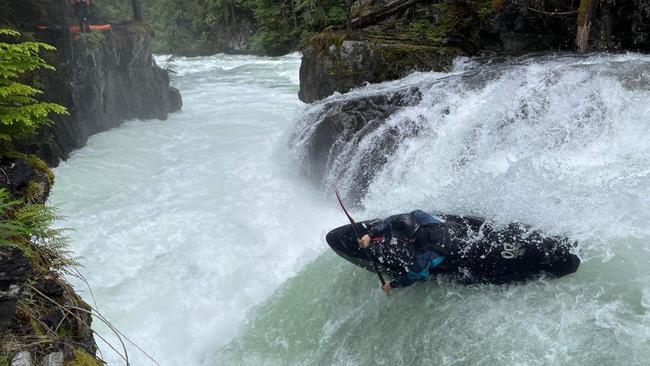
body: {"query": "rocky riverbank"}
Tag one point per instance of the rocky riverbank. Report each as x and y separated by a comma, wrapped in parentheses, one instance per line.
(427, 36)
(110, 77)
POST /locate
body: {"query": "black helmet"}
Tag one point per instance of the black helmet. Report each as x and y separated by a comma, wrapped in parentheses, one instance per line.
(403, 226)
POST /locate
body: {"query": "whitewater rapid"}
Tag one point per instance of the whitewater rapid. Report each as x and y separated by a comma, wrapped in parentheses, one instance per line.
(185, 225)
(205, 244)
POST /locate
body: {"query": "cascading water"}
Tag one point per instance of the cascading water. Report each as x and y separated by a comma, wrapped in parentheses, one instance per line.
(557, 142)
(185, 225)
(199, 237)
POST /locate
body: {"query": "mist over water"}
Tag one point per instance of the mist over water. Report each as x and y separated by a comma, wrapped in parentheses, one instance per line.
(204, 243)
(185, 225)
(560, 143)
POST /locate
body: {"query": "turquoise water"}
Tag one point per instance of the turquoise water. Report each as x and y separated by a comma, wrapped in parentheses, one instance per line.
(206, 246)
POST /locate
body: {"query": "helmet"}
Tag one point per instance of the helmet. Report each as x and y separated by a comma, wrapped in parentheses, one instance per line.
(403, 226)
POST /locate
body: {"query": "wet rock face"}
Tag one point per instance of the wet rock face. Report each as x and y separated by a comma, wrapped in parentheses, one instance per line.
(340, 125)
(14, 270)
(112, 78)
(353, 63)
(21, 178)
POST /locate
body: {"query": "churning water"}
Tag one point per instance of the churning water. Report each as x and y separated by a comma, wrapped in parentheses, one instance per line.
(204, 244)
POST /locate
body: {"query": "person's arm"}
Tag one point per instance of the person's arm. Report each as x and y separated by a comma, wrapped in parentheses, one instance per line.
(376, 230)
(409, 278)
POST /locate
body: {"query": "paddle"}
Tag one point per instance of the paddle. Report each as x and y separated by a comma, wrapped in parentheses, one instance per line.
(354, 227)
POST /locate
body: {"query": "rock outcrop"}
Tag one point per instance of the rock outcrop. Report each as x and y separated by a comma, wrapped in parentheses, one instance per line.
(112, 77)
(41, 316)
(109, 77)
(333, 63)
(427, 37)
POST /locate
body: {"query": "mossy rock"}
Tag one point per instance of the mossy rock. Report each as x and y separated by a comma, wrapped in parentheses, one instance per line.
(322, 42)
(139, 28)
(33, 161)
(83, 358)
(25, 176)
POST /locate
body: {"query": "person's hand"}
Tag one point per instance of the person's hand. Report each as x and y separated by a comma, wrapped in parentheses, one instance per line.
(387, 287)
(364, 242)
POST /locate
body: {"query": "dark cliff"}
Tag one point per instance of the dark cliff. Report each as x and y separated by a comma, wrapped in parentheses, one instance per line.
(111, 77)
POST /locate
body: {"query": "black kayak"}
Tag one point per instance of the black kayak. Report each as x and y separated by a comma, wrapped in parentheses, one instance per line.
(479, 252)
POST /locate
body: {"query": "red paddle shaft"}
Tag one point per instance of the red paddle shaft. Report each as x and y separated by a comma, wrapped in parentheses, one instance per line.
(354, 227)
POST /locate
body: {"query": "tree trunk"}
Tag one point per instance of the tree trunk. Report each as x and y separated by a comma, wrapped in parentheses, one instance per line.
(137, 10)
(348, 16)
(65, 30)
(585, 16)
(293, 13)
(381, 14)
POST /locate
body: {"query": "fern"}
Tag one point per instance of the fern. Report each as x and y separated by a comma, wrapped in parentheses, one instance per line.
(21, 113)
(10, 228)
(31, 226)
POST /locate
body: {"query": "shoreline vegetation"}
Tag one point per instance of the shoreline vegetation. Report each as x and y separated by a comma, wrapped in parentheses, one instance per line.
(49, 105)
(41, 315)
(266, 27)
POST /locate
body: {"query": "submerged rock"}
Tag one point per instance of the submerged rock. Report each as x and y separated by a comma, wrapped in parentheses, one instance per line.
(331, 141)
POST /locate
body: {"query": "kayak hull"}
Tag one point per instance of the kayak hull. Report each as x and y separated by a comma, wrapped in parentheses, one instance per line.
(479, 252)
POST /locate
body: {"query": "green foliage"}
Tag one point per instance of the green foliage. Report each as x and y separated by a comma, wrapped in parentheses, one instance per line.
(113, 11)
(10, 228)
(336, 15)
(51, 242)
(423, 30)
(198, 27)
(93, 39)
(20, 112)
(277, 33)
(82, 358)
(31, 227)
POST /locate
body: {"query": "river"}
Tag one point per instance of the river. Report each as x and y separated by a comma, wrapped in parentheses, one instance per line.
(204, 242)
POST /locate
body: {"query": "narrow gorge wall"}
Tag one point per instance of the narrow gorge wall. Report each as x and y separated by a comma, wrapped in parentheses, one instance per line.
(112, 77)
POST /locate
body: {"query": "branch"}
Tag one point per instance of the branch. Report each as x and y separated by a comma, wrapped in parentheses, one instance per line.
(545, 12)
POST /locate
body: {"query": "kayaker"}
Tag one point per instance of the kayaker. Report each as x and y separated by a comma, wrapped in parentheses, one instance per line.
(426, 238)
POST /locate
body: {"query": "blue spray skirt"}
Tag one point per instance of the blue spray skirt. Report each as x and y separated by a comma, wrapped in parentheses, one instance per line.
(478, 252)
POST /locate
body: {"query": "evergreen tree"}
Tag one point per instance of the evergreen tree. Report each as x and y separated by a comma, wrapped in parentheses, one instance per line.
(20, 112)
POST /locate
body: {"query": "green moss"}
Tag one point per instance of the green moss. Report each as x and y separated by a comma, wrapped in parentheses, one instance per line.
(63, 331)
(82, 358)
(584, 11)
(37, 327)
(140, 28)
(93, 39)
(498, 4)
(34, 162)
(322, 41)
(4, 360)
(34, 191)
